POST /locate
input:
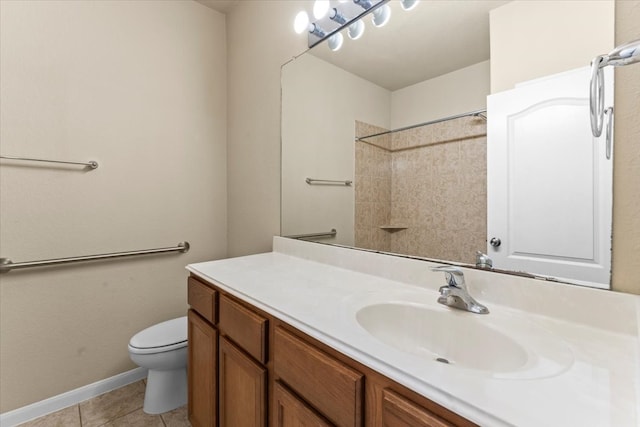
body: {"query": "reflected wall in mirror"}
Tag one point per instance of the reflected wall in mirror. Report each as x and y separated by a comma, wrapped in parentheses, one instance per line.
(423, 191)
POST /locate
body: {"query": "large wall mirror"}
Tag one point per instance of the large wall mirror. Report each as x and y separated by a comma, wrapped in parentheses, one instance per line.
(403, 141)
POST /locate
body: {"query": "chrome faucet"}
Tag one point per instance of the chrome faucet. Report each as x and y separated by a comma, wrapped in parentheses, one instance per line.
(455, 293)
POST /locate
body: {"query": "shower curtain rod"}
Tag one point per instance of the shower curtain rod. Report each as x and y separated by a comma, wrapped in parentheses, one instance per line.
(7, 265)
(477, 113)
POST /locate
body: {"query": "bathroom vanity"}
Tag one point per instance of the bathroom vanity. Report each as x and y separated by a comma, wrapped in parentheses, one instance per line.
(320, 335)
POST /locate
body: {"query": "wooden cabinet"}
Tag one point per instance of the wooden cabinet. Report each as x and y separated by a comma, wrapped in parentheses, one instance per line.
(243, 387)
(398, 411)
(201, 371)
(244, 327)
(332, 387)
(249, 369)
(290, 411)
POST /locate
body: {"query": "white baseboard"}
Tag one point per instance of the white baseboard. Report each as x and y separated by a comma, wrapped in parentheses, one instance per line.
(70, 398)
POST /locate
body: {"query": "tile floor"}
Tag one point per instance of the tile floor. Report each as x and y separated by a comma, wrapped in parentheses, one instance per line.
(118, 408)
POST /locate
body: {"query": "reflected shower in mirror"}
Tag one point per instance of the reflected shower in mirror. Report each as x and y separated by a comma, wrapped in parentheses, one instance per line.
(428, 189)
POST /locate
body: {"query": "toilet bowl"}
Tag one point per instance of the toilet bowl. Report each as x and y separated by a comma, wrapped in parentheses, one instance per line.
(162, 349)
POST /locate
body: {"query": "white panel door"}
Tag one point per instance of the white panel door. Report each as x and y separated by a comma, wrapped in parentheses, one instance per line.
(549, 182)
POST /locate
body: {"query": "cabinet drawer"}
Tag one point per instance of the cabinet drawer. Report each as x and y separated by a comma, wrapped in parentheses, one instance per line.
(400, 412)
(202, 299)
(244, 327)
(334, 389)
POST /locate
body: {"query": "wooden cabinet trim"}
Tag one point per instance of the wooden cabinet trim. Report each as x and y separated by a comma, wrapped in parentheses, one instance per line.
(333, 388)
(202, 298)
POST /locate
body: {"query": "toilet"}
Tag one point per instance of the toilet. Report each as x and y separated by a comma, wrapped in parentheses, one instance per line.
(162, 349)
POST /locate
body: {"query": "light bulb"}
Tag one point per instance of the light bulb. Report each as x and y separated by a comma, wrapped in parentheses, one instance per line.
(408, 4)
(381, 16)
(301, 22)
(335, 41)
(356, 30)
(320, 8)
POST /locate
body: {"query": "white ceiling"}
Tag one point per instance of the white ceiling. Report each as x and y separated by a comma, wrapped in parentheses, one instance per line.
(435, 38)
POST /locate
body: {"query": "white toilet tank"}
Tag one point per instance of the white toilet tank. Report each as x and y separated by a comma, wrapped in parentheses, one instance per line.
(165, 336)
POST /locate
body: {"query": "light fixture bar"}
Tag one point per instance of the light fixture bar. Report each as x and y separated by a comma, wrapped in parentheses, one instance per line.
(350, 12)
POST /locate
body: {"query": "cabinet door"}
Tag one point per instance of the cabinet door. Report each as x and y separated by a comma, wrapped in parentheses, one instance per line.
(330, 386)
(201, 368)
(289, 411)
(400, 412)
(242, 388)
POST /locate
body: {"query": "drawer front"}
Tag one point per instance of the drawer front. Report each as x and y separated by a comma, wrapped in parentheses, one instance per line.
(400, 412)
(331, 387)
(202, 299)
(246, 328)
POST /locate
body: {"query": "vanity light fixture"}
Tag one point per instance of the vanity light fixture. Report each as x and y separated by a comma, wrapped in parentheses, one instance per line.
(381, 16)
(332, 16)
(335, 41)
(335, 16)
(408, 4)
(320, 8)
(301, 23)
(356, 30)
(365, 4)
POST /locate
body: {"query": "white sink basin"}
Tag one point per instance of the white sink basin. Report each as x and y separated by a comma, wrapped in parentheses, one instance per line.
(494, 345)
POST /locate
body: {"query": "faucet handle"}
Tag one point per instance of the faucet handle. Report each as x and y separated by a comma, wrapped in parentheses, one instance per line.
(453, 275)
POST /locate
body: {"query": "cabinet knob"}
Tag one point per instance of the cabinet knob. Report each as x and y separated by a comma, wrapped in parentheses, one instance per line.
(495, 242)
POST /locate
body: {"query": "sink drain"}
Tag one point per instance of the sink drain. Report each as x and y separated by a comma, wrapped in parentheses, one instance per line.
(442, 360)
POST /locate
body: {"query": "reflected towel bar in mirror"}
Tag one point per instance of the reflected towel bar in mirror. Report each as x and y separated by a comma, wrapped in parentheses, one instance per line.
(313, 181)
(331, 233)
(91, 164)
(7, 265)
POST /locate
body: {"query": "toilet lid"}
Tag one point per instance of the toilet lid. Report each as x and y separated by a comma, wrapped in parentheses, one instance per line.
(163, 334)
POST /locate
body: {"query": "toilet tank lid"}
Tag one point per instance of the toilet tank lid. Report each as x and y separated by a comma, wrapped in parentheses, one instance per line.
(162, 334)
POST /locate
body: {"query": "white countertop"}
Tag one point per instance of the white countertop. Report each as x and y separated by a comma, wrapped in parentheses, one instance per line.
(598, 383)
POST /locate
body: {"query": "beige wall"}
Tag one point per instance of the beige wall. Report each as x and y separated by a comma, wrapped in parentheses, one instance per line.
(260, 39)
(320, 106)
(453, 93)
(531, 39)
(139, 87)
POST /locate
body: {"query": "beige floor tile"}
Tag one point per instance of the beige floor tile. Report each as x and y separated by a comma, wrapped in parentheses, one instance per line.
(67, 417)
(177, 417)
(112, 405)
(136, 419)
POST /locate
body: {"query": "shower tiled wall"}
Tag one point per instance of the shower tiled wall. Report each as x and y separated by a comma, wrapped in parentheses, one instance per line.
(372, 188)
(437, 178)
